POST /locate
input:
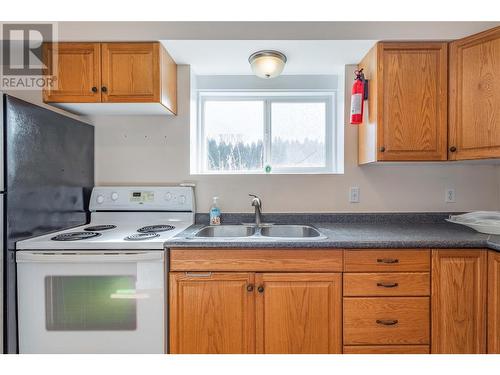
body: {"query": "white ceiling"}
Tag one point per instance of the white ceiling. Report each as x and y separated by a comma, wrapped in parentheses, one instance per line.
(362, 30)
(224, 47)
(230, 57)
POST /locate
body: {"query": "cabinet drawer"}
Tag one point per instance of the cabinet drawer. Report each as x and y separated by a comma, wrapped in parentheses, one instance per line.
(387, 349)
(386, 260)
(386, 284)
(386, 321)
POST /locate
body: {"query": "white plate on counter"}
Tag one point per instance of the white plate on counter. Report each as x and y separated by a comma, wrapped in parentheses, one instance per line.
(482, 221)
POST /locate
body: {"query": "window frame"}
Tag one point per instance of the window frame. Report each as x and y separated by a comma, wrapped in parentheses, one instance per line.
(328, 98)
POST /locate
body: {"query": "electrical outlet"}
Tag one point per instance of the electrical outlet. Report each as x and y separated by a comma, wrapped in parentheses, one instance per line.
(354, 194)
(450, 196)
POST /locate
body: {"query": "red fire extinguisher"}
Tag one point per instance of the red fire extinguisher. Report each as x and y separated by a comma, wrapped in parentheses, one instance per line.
(358, 96)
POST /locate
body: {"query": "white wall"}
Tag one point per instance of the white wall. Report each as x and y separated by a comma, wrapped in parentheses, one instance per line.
(155, 150)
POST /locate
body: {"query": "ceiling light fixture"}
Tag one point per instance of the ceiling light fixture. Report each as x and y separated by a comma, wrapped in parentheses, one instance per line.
(267, 64)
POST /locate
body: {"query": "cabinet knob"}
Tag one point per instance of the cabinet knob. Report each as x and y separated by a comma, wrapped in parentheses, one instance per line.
(260, 289)
(453, 149)
(382, 149)
(94, 89)
(250, 288)
(104, 89)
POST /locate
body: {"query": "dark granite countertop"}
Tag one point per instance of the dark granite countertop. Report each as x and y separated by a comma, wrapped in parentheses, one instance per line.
(355, 231)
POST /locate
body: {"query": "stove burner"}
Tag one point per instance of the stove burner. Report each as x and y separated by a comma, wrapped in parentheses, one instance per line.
(156, 228)
(141, 236)
(99, 228)
(75, 236)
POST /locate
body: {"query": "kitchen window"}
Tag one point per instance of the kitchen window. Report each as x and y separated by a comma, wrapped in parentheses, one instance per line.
(248, 133)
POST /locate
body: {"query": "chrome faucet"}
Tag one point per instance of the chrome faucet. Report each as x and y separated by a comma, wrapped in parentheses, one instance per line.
(257, 203)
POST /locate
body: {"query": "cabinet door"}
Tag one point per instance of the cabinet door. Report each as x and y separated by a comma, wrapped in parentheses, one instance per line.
(412, 101)
(299, 313)
(459, 283)
(77, 72)
(494, 302)
(474, 107)
(130, 72)
(212, 313)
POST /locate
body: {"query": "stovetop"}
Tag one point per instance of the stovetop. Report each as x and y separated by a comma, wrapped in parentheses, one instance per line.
(115, 231)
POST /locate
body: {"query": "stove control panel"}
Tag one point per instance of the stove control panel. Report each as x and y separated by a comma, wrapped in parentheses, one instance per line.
(143, 198)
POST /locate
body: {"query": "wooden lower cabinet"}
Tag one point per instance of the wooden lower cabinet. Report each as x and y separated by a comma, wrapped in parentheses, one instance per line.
(386, 301)
(229, 313)
(299, 313)
(459, 286)
(212, 313)
(494, 302)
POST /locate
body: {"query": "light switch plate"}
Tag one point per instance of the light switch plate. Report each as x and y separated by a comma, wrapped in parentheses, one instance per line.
(354, 194)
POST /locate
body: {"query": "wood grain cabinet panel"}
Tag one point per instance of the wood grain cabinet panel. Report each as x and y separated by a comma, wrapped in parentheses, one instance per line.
(77, 72)
(130, 72)
(386, 320)
(494, 302)
(474, 106)
(406, 116)
(212, 313)
(258, 260)
(459, 285)
(299, 313)
(386, 260)
(386, 284)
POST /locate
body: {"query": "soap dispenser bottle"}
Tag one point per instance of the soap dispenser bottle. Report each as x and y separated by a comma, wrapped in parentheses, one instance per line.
(215, 212)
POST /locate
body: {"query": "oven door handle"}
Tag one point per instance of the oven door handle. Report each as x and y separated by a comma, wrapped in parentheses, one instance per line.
(87, 257)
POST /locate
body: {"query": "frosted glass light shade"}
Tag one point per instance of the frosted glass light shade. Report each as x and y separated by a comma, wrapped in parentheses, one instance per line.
(267, 64)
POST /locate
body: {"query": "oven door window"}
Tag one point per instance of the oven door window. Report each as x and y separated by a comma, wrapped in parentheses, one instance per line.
(90, 303)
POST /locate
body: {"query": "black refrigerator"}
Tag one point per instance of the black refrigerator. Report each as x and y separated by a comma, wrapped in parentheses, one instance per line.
(45, 184)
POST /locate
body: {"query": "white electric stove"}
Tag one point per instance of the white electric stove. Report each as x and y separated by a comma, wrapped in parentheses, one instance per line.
(125, 218)
(101, 287)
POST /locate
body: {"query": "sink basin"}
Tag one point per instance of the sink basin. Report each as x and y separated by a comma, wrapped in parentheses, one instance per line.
(226, 231)
(290, 231)
(254, 233)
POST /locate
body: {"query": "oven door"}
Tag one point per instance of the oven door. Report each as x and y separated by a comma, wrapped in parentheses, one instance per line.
(91, 302)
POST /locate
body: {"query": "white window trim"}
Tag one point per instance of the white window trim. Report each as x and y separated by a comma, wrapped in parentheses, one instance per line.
(331, 133)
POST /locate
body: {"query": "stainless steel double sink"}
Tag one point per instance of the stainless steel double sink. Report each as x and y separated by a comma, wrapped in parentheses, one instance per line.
(262, 232)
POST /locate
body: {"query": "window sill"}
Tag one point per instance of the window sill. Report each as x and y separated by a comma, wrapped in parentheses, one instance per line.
(263, 173)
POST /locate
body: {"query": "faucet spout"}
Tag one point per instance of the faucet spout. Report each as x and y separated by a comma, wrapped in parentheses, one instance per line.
(257, 203)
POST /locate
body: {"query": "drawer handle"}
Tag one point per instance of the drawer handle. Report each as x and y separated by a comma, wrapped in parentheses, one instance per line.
(387, 285)
(198, 274)
(387, 322)
(387, 260)
(250, 288)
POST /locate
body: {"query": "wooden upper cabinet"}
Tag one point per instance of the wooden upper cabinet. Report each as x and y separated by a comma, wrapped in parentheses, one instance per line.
(494, 302)
(299, 313)
(140, 74)
(458, 299)
(212, 313)
(474, 106)
(77, 72)
(406, 115)
(130, 72)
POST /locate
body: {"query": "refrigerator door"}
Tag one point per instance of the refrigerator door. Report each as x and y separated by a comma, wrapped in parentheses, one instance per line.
(2, 112)
(49, 170)
(49, 174)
